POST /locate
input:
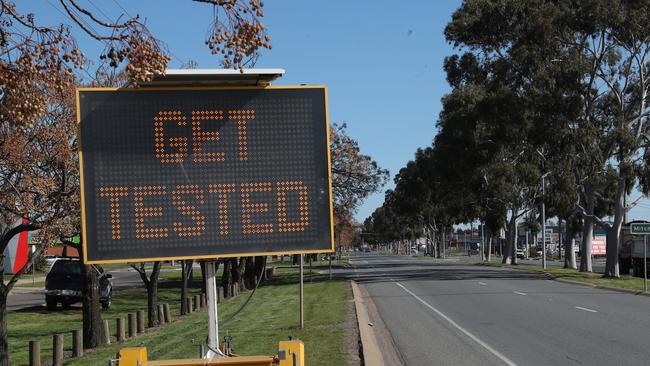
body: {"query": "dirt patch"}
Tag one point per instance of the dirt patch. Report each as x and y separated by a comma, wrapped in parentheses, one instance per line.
(352, 338)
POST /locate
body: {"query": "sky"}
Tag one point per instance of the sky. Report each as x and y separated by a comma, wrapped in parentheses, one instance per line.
(381, 60)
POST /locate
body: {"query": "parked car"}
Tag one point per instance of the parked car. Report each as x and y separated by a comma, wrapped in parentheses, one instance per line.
(63, 284)
(521, 253)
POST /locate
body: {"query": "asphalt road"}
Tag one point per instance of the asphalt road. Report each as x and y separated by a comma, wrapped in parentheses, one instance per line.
(34, 298)
(442, 313)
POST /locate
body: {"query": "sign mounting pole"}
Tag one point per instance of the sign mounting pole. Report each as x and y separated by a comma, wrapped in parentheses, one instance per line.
(645, 263)
(643, 229)
(213, 318)
(302, 294)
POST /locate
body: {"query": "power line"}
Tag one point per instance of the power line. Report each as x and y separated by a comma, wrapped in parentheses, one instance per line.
(121, 7)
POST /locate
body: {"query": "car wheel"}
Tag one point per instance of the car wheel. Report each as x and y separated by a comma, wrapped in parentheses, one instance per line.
(109, 301)
(50, 302)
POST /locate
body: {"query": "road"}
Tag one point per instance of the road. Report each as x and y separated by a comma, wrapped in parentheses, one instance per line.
(444, 313)
(29, 298)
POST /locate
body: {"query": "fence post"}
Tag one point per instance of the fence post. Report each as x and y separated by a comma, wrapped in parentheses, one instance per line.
(120, 329)
(132, 325)
(57, 350)
(203, 300)
(77, 343)
(35, 353)
(189, 305)
(107, 332)
(140, 320)
(197, 302)
(161, 314)
(167, 317)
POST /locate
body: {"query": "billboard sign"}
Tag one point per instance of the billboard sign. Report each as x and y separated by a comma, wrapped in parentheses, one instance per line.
(599, 245)
(179, 173)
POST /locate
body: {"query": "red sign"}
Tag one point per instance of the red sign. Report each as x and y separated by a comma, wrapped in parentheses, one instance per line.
(598, 245)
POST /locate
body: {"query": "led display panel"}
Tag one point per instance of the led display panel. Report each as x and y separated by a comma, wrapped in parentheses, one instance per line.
(204, 172)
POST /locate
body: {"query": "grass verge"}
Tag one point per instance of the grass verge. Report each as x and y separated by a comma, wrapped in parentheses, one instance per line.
(626, 282)
(271, 316)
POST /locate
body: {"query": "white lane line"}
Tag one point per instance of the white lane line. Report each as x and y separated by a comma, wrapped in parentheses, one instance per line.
(482, 283)
(503, 358)
(585, 309)
(520, 293)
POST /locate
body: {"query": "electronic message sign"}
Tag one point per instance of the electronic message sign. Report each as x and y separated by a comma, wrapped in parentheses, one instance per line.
(173, 173)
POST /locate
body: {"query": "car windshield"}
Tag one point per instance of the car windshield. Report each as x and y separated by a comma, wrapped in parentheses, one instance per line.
(66, 267)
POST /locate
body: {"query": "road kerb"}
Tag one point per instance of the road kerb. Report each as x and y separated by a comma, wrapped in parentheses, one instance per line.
(371, 352)
(370, 349)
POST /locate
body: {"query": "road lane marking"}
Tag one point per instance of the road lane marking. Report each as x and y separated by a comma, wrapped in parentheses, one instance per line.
(503, 358)
(585, 309)
(482, 283)
(520, 293)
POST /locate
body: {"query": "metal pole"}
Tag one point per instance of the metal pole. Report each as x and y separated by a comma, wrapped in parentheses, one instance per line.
(543, 223)
(482, 242)
(645, 263)
(213, 317)
(330, 256)
(302, 295)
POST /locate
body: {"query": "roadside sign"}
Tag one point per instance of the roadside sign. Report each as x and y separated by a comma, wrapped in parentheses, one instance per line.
(640, 229)
(643, 229)
(599, 245)
(180, 173)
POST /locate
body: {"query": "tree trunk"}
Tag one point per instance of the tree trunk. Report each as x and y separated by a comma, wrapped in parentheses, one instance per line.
(203, 277)
(509, 256)
(4, 335)
(184, 285)
(152, 295)
(249, 272)
(489, 248)
(226, 277)
(260, 264)
(614, 232)
(587, 232)
(569, 240)
(93, 329)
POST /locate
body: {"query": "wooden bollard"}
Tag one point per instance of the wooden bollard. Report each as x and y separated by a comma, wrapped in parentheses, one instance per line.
(34, 353)
(132, 325)
(121, 334)
(140, 320)
(107, 332)
(77, 343)
(204, 302)
(161, 314)
(190, 308)
(57, 350)
(232, 290)
(197, 302)
(168, 316)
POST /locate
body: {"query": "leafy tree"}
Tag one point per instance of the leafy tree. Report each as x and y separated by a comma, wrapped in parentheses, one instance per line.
(151, 284)
(39, 176)
(354, 177)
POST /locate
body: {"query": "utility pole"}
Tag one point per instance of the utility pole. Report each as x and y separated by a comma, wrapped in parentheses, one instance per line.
(543, 222)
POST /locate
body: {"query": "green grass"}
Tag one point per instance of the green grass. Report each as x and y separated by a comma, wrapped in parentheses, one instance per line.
(35, 284)
(271, 316)
(625, 282)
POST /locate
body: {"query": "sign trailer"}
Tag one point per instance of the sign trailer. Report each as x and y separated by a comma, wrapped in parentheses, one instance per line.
(189, 173)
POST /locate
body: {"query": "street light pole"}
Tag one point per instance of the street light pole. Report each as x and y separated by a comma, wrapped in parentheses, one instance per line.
(543, 222)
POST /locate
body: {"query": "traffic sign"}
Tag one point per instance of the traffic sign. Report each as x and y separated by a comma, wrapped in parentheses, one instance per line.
(640, 228)
(180, 173)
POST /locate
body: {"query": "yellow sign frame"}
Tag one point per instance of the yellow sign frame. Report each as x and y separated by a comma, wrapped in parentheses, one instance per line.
(232, 255)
